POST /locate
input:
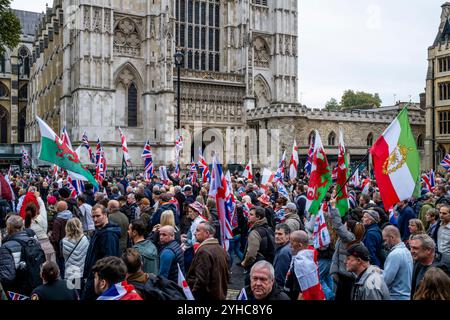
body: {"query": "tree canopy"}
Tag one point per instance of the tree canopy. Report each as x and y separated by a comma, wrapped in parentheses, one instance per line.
(9, 27)
(360, 100)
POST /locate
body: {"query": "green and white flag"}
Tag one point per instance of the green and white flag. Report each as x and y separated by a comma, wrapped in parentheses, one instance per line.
(320, 178)
(54, 150)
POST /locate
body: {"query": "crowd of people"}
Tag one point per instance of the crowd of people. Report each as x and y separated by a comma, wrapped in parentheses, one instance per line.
(131, 235)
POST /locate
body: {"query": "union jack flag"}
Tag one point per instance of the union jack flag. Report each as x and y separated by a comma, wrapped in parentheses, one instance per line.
(25, 158)
(148, 161)
(17, 296)
(100, 169)
(279, 175)
(85, 143)
(221, 192)
(163, 174)
(445, 163)
(428, 179)
(76, 186)
(100, 153)
(230, 201)
(203, 166)
(309, 158)
(193, 172)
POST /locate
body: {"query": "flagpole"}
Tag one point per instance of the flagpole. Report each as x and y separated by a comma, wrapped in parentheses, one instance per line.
(353, 173)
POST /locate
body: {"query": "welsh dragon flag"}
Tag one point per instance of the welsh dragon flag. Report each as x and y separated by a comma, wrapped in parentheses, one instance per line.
(396, 162)
(342, 203)
(320, 178)
(55, 151)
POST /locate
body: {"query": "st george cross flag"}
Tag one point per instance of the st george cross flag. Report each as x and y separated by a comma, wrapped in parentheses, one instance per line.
(445, 163)
(54, 150)
(203, 166)
(219, 190)
(126, 154)
(293, 165)
(85, 143)
(342, 203)
(182, 283)
(248, 172)
(309, 157)
(148, 161)
(267, 177)
(321, 235)
(396, 162)
(320, 178)
(365, 185)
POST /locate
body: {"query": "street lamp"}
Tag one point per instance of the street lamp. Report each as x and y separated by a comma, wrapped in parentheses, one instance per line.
(179, 57)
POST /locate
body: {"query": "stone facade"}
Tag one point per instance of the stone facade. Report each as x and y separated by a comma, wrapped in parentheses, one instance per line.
(437, 143)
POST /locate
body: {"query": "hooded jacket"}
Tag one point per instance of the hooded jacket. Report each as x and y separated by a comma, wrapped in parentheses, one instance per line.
(59, 230)
(121, 220)
(156, 218)
(370, 286)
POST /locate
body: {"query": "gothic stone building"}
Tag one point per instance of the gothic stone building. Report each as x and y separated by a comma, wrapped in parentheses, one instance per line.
(103, 64)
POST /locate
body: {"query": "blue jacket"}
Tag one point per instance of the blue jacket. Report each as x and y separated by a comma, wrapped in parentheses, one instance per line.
(398, 271)
(156, 218)
(403, 221)
(282, 262)
(373, 241)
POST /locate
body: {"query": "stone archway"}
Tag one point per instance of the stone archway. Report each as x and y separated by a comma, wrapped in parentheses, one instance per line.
(262, 92)
(4, 124)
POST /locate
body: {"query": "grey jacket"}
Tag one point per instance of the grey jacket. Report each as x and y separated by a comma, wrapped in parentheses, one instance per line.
(338, 264)
(293, 221)
(75, 262)
(370, 286)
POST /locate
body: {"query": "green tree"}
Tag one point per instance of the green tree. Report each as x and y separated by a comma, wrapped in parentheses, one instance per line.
(360, 100)
(9, 27)
(332, 105)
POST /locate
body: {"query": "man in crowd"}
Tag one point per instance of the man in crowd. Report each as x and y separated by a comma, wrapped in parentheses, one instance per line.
(398, 266)
(86, 215)
(443, 230)
(171, 254)
(372, 236)
(424, 256)
(208, 274)
(146, 248)
(109, 281)
(58, 231)
(104, 243)
(405, 213)
(262, 283)
(283, 256)
(117, 217)
(291, 217)
(369, 285)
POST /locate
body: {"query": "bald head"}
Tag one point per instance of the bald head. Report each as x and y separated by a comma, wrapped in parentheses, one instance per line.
(391, 231)
(61, 206)
(113, 205)
(169, 230)
(300, 236)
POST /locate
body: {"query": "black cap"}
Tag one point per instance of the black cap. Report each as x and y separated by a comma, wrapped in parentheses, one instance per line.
(359, 251)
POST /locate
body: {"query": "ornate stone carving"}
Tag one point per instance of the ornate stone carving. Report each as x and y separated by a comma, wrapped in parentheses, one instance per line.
(126, 38)
(126, 76)
(97, 21)
(261, 53)
(87, 18)
(107, 22)
(262, 92)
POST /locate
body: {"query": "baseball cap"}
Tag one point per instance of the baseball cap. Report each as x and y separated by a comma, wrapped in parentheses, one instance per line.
(291, 206)
(359, 251)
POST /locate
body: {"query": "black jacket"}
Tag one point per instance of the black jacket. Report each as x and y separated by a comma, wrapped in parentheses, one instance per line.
(156, 218)
(104, 243)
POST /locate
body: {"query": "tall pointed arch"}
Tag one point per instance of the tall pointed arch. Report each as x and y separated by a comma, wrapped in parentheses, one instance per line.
(129, 86)
(263, 94)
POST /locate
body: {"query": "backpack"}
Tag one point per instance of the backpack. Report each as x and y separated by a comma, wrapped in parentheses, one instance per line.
(268, 252)
(28, 272)
(159, 288)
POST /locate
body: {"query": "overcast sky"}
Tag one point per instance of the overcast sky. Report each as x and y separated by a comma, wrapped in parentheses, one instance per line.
(373, 46)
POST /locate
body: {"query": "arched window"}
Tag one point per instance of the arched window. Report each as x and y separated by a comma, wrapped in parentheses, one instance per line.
(331, 139)
(23, 92)
(132, 105)
(420, 141)
(24, 62)
(3, 125)
(370, 140)
(22, 123)
(2, 63)
(3, 91)
(311, 138)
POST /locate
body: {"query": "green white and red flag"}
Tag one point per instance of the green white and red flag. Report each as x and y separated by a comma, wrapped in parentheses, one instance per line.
(320, 178)
(396, 162)
(56, 151)
(342, 203)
